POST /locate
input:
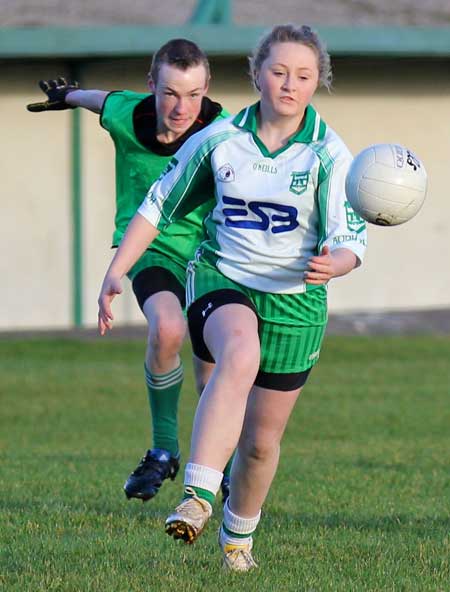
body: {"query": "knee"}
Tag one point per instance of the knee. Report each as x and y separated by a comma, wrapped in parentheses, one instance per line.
(259, 450)
(240, 357)
(166, 335)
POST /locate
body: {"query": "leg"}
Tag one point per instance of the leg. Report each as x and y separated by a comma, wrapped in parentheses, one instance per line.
(166, 332)
(253, 470)
(160, 296)
(231, 335)
(160, 293)
(203, 371)
(288, 353)
(164, 373)
(256, 461)
(287, 350)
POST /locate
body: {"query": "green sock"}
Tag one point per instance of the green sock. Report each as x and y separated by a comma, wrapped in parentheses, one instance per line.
(201, 493)
(163, 394)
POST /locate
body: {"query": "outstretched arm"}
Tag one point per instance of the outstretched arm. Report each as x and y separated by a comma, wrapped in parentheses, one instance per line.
(140, 233)
(62, 95)
(89, 99)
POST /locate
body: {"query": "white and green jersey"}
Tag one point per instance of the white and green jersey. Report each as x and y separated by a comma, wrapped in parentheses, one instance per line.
(273, 211)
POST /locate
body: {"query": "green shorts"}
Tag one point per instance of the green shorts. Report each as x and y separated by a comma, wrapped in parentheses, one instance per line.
(153, 258)
(291, 326)
(154, 273)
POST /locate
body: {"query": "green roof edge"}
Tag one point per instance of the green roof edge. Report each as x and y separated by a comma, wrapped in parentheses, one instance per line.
(216, 40)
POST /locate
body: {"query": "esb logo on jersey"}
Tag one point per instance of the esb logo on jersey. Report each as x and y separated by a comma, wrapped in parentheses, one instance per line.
(278, 217)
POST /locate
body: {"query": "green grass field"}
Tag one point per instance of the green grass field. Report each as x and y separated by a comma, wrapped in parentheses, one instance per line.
(361, 500)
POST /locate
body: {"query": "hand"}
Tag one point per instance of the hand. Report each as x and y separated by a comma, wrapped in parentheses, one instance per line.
(56, 91)
(321, 268)
(110, 288)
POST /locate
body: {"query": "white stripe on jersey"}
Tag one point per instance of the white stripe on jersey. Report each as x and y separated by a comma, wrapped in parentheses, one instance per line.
(316, 128)
(243, 121)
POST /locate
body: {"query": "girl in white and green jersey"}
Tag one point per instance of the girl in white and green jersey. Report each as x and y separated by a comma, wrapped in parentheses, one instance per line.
(280, 229)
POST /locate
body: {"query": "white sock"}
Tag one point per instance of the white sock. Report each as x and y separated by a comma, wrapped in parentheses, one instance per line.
(238, 526)
(228, 539)
(202, 476)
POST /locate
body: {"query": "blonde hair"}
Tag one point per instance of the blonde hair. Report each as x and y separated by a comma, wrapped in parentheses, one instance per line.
(291, 33)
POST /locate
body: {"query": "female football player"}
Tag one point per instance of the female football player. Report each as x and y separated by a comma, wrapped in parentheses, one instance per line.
(257, 288)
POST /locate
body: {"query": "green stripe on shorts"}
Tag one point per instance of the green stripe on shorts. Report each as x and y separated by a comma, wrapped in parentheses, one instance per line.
(292, 326)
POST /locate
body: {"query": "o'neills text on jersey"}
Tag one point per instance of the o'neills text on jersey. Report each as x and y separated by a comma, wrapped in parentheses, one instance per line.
(263, 167)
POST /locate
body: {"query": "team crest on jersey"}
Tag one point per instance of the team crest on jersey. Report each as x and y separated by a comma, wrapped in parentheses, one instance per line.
(299, 182)
(354, 222)
(225, 174)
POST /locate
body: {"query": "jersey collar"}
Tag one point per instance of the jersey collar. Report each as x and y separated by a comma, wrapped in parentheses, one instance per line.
(144, 125)
(313, 129)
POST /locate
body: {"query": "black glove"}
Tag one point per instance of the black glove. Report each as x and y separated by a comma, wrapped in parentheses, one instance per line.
(56, 91)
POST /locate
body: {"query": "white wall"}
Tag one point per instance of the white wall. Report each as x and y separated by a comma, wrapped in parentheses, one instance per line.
(35, 260)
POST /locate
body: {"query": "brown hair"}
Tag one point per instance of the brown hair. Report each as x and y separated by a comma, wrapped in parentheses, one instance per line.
(182, 54)
(291, 33)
